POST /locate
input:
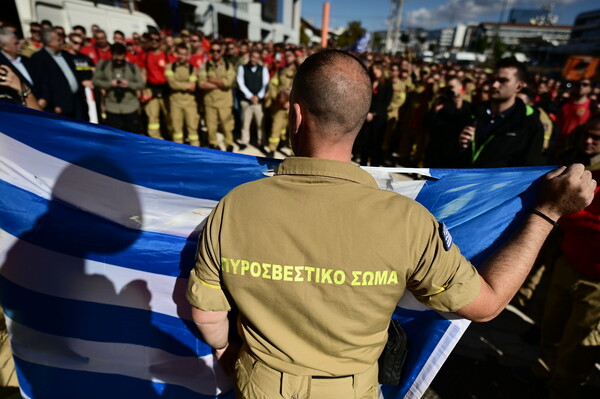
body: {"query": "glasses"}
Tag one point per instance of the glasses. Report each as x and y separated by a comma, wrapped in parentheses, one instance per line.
(584, 84)
(215, 50)
(593, 137)
(194, 41)
(76, 43)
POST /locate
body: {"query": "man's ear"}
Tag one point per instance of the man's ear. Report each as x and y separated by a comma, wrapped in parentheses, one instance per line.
(296, 118)
(520, 86)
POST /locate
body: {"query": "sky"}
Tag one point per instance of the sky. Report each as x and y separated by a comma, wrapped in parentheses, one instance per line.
(434, 14)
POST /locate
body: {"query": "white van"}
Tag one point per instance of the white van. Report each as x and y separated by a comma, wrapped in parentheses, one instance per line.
(68, 13)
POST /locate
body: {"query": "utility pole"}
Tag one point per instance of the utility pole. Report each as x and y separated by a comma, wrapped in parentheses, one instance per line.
(391, 21)
(400, 3)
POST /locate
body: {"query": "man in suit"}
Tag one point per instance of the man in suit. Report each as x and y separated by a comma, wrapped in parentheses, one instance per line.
(57, 87)
(10, 55)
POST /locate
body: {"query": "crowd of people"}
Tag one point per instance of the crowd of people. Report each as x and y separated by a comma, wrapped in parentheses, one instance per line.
(187, 88)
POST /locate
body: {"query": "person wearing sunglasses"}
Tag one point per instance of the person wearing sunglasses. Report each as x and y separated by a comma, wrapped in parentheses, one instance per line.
(84, 66)
(199, 54)
(155, 62)
(100, 49)
(34, 42)
(216, 78)
(577, 109)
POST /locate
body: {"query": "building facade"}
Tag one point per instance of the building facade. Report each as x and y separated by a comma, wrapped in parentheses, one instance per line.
(268, 20)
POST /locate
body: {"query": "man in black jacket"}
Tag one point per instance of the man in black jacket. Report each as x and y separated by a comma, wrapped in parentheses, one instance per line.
(505, 132)
(57, 87)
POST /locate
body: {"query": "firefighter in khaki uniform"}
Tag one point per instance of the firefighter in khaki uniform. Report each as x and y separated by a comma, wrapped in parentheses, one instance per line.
(398, 99)
(277, 100)
(315, 305)
(216, 78)
(184, 109)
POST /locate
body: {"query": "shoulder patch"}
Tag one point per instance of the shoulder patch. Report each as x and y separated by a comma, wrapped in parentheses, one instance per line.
(445, 236)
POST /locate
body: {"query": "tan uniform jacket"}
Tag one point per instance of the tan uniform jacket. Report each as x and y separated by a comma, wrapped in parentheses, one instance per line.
(281, 83)
(178, 81)
(218, 98)
(398, 98)
(316, 258)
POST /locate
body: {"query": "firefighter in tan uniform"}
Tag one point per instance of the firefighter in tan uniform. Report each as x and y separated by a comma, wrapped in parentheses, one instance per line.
(398, 99)
(182, 79)
(278, 100)
(315, 304)
(216, 78)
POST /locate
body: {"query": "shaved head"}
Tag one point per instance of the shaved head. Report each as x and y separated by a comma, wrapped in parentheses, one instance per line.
(335, 88)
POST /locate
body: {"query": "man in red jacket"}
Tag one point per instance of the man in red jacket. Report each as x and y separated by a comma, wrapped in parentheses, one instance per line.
(577, 110)
(155, 61)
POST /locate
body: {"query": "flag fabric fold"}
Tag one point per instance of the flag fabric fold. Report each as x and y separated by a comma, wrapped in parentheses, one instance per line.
(98, 230)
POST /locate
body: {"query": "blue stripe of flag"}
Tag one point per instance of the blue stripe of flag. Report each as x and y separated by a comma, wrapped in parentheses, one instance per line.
(59, 227)
(200, 172)
(92, 321)
(57, 383)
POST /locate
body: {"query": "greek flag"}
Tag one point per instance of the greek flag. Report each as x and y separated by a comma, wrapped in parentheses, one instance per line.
(362, 43)
(98, 230)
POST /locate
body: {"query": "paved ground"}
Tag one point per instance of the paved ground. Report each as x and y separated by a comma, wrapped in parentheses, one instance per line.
(492, 361)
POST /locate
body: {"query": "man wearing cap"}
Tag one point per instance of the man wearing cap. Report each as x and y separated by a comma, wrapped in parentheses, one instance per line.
(315, 302)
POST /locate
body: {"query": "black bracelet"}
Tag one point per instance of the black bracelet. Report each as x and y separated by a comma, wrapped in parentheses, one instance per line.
(546, 218)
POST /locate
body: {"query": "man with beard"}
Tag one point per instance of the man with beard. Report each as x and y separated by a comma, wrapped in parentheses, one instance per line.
(505, 132)
(120, 80)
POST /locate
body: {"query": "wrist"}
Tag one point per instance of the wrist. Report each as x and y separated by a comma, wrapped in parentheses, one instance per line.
(551, 218)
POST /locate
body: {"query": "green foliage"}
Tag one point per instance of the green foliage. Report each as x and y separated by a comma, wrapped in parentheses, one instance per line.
(304, 39)
(498, 49)
(482, 44)
(351, 34)
(377, 41)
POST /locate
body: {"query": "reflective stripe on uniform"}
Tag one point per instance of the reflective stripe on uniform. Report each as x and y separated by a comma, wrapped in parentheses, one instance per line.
(178, 135)
(273, 139)
(153, 126)
(435, 293)
(169, 72)
(209, 285)
(193, 78)
(529, 110)
(193, 136)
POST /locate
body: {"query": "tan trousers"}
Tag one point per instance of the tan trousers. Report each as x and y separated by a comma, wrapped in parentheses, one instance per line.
(8, 377)
(219, 118)
(185, 112)
(279, 128)
(249, 112)
(570, 343)
(153, 108)
(256, 380)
